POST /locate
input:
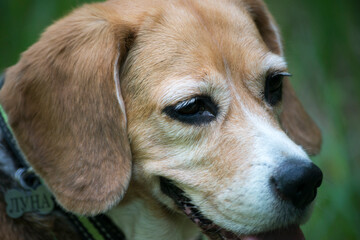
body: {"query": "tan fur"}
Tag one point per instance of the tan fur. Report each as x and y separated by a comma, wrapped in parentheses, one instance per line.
(67, 115)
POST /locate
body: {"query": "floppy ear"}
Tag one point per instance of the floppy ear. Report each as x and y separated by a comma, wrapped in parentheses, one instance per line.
(294, 119)
(65, 107)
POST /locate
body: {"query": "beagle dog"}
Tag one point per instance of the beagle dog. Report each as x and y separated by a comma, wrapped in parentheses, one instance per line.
(173, 117)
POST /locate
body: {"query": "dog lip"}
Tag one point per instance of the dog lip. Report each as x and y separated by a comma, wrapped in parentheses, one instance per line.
(210, 229)
(215, 232)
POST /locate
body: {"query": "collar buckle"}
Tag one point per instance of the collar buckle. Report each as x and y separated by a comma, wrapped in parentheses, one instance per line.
(26, 178)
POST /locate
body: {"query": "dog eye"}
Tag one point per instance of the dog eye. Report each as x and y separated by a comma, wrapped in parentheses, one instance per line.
(196, 111)
(273, 87)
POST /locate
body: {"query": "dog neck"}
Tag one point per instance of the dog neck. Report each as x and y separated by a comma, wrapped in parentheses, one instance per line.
(140, 220)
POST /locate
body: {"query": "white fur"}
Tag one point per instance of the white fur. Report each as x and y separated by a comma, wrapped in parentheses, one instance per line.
(246, 197)
(117, 86)
(180, 89)
(138, 222)
(273, 61)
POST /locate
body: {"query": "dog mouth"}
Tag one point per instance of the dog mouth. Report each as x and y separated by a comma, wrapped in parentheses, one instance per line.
(214, 231)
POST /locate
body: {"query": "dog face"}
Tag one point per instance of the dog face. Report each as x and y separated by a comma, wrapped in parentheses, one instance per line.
(210, 127)
(192, 96)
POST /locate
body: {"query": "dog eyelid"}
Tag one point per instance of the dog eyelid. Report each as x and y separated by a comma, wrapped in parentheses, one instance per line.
(197, 110)
(281, 73)
(273, 87)
(184, 104)
(278, 72)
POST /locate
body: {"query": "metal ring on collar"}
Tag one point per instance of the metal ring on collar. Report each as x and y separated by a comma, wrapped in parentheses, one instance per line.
(21, 174)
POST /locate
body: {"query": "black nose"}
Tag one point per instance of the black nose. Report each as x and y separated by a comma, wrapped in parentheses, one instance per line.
(297, 181)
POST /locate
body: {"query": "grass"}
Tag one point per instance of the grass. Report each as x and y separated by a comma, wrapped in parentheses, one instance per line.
(322, 45)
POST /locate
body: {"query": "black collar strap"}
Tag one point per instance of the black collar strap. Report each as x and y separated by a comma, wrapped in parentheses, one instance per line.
(101, 227)
(2, 80)
(9, 137)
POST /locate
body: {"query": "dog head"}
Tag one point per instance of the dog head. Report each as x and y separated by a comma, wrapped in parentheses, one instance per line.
(191, 98)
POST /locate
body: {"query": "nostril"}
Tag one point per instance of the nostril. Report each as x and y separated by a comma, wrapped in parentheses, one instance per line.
(300, 189)
(297, 181)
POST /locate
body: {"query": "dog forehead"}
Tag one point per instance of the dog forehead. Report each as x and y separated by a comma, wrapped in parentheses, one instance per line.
(196, 39)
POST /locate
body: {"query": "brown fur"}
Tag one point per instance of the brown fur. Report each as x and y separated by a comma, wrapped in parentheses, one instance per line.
(62, 102)
(81, 137)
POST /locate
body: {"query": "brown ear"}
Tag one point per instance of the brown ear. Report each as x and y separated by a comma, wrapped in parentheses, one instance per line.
(297, 123)
(294, 119)
(65, 107)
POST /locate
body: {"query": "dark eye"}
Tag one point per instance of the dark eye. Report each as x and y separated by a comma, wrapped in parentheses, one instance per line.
(196, 111)
(273, 87)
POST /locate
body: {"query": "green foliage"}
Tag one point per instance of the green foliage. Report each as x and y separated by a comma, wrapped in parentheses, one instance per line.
(22, 22)
(322, 45)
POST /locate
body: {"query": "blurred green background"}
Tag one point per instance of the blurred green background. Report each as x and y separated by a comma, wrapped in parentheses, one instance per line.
(322, 45)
